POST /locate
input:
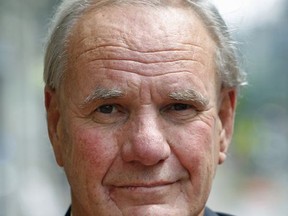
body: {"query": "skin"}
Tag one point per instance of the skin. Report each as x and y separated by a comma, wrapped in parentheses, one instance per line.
(140, 121)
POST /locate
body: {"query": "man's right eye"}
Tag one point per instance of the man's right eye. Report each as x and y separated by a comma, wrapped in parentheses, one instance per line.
(106, 109)
(109, 114)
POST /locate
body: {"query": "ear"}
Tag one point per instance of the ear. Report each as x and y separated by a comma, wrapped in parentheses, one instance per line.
(226, 114)
(53, 116)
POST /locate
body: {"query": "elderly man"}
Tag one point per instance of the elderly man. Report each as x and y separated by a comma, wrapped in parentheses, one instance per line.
(140, 98)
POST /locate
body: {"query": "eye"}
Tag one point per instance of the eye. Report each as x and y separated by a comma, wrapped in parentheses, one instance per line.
(109, 114)
(179, 112)
(106, 109)
(180, 107)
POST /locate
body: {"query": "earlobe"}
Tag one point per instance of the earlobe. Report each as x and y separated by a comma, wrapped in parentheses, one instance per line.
(226, 115)
(53, 116)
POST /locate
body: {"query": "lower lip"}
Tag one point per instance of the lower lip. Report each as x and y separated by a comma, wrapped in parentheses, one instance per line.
(143, 194)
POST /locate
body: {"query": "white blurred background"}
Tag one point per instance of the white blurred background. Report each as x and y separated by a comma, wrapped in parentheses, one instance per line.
(252, 182)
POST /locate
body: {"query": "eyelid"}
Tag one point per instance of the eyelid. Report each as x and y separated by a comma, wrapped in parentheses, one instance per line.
(180, 116)
(117, 115)
(190, 96)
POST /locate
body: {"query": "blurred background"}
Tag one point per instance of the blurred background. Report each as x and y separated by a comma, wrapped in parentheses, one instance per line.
(252, 182)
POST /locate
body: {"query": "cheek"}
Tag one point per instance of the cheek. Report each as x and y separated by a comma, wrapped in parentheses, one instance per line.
(89, 157)
(195, 148)
(90, 153)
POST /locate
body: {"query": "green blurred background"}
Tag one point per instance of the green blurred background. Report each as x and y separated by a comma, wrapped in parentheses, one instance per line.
(252, 182)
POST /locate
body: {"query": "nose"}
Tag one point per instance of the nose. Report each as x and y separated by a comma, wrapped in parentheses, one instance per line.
(145, 142)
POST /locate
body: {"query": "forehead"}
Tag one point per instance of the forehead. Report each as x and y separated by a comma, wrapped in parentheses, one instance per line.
(151, 42)
(143, 29)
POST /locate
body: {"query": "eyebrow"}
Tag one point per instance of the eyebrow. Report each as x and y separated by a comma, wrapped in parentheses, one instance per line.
(102, 94)
(189, 95)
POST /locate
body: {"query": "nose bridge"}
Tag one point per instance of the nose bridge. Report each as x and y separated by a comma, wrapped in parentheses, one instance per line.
(146, 142)
(148, 131)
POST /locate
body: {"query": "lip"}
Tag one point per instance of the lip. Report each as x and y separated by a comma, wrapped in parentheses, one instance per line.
(143, 188)
(145, 185)
(143, 193)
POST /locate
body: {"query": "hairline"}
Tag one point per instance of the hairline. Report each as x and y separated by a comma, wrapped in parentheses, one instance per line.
(59, 72)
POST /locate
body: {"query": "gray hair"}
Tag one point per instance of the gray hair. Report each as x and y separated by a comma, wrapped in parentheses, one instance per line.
(69, 12)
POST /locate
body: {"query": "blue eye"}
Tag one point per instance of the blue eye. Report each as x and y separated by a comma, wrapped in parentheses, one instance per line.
(106, 109)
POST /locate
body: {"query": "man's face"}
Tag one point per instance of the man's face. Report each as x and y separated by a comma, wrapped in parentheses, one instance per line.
(140, 122)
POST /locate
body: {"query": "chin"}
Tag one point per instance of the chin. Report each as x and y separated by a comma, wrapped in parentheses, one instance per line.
(154, 210)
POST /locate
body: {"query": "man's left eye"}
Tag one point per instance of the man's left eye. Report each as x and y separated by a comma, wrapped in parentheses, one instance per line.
(180, 107)
(179, 112)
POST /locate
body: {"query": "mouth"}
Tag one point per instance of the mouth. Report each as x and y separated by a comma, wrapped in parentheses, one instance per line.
(143, 188)
(144, 193)
(145, 185)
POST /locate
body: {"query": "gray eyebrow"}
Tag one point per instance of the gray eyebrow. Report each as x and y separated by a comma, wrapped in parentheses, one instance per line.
(189, 95)
(103, 93)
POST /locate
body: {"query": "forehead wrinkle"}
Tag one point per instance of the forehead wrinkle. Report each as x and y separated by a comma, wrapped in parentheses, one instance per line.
(159, 74)
(102, 94)
(189, 95)
(182, 47)
(138, 63)
(114, 52)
